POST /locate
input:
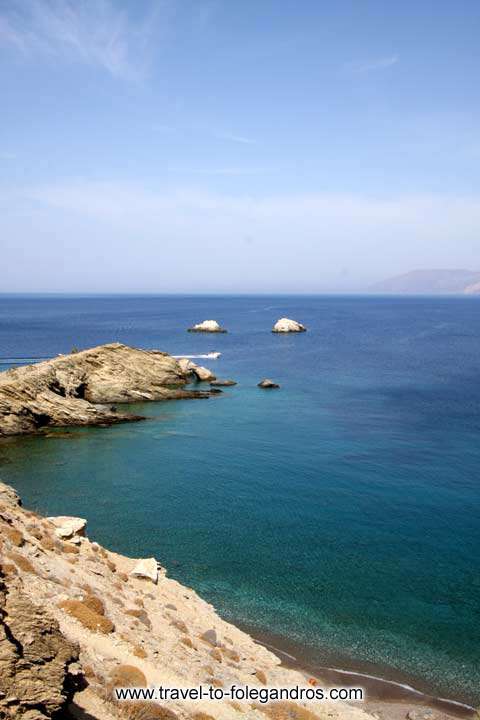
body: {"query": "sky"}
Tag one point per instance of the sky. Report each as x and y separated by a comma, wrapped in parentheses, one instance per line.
(224, 146)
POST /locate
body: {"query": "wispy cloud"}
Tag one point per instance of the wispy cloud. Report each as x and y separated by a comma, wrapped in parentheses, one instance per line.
(233, 171)
(94, 32)
(378, 64)
(205, 131)
(234, 138)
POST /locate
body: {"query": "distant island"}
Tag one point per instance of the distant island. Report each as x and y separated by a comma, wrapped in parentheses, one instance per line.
(431, 282)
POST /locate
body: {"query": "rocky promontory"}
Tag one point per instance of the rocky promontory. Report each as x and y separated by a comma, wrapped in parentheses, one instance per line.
(82, 388)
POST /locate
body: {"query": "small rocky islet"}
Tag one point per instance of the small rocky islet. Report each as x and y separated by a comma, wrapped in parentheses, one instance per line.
(285, 325)
(207, 326)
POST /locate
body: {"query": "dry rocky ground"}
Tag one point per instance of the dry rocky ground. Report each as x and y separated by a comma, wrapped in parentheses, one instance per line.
(74, 623)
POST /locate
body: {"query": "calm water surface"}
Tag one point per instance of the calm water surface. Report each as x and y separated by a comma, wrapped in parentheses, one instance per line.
(341, 512)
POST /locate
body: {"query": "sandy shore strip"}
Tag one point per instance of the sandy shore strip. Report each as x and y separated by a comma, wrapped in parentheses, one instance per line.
(390, 698)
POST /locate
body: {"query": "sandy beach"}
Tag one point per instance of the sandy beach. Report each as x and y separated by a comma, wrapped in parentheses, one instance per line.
(389, 694)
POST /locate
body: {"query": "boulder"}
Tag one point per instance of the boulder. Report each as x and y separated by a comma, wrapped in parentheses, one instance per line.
(146, 569)
(285, 325)
(267, 384)
(67, 527)
(210, 636)
(208, 326)
(203, 373)
(186, 365)
(222, 383)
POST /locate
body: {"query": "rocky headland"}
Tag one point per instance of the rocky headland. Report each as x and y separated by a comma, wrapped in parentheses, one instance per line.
(84, 387)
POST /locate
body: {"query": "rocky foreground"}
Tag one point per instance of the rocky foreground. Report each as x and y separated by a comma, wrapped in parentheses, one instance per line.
(80, 388)
(77, 620)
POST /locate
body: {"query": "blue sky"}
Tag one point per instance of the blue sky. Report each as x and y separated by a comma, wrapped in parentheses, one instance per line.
(247, 146)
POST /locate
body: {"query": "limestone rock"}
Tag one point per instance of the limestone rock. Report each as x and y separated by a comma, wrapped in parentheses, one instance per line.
(267, 384)
(78, 389)
(222, 383)
(147, 569)
(420, 714)
(186, 365)
(8, 495)
(208, 326)
(66, 526)
(203, 373)
(285, 325)
(34, 657)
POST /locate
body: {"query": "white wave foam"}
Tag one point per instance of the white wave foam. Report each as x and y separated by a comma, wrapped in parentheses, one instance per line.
(404, 686)
(210, 356)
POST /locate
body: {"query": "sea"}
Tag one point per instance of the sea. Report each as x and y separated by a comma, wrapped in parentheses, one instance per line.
(339, 514)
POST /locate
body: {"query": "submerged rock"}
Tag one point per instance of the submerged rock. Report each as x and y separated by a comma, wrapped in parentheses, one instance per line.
(208, 326)
(285, 325)
(267, 384)
(223, 383)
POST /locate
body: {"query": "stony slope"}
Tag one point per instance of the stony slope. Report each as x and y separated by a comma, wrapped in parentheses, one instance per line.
(78, 389)
(80, 600)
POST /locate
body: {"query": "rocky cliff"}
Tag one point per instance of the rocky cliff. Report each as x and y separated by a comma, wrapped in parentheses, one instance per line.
(79, 389)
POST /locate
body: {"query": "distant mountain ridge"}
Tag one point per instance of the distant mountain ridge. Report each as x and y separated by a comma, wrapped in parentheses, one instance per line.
(421, 282)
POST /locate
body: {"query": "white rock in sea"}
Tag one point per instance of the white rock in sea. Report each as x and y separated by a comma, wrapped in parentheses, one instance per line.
(203, 373)
(147, 568)
(285, 325)
(67, 527)
(211, 326)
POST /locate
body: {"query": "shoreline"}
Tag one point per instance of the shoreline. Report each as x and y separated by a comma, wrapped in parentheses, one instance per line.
(382, 692)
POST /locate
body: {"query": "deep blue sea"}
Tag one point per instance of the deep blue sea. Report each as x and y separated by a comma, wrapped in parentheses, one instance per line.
(341, 512)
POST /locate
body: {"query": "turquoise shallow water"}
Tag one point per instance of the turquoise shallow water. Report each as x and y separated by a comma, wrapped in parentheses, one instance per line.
(340, 512)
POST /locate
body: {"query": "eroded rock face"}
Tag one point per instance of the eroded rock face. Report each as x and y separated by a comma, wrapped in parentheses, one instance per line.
(34, 657)
(285, 325)
(78, 389)
(209, 326)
